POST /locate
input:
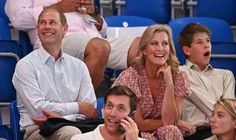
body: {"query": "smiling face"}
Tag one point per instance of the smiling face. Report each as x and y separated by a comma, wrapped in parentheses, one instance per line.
(222, 122)
(115, 109)
(158, 50)
(50, 29)
(200, 50)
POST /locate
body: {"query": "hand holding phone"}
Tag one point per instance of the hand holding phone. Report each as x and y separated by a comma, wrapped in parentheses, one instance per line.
(130, 128)
(121, 129)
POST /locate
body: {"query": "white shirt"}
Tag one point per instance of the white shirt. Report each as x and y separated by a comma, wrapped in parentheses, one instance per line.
(23, 15)
(43, 83)
(92, 135)
(207, 87)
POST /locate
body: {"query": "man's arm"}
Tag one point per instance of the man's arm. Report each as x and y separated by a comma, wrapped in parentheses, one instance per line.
(23, 14)
(28, 90)
(87, 100)
(229, 85)
(93, 11)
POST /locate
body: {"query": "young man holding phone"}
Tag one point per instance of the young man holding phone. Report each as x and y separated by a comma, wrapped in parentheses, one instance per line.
(120, 103)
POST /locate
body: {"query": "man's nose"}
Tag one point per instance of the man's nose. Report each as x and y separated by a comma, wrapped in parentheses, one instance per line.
(47, 25)
(115, 112)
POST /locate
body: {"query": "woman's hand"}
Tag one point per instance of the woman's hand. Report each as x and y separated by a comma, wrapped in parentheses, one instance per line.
(164, 72)
(187, 127)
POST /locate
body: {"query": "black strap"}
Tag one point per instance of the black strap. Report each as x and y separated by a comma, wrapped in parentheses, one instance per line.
(202, 132)
(53, 124)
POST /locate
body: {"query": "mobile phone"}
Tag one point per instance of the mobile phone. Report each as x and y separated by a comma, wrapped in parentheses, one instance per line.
(120, 128)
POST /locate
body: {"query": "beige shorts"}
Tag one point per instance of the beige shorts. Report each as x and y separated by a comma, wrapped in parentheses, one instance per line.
(75, 46)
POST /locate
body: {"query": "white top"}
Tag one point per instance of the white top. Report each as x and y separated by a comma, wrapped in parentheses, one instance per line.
(93, 135)
(43, 83)
(207, 87)
(23, 15)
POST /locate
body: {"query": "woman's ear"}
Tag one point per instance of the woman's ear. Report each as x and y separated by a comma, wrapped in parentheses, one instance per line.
(234, 124)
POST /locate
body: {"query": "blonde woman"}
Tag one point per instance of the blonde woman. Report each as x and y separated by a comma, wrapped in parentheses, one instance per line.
(223, 122)
(158, 83)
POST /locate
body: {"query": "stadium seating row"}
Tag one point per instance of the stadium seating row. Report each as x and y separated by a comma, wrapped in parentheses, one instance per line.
(162, 11)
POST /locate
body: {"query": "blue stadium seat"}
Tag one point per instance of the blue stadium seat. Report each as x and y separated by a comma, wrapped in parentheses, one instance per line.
(224, 55)
(8, 60)
(4, 132)
(7, 91)
(100, 103)
(7, 64)
(222, 9)
(158, 10)
(5, 33)
(24, 43)
(17, 133)
(221, 31)
(10, 46)
(133, 21)
(2, 11)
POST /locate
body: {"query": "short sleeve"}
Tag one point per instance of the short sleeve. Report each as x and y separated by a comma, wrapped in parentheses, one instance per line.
(129, 78)
(182, 84)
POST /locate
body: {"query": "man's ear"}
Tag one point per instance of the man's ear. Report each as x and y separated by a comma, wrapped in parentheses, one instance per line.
(65, 27)
(186, 50)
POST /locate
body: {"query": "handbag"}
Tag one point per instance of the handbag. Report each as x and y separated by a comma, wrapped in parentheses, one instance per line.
(53, 124)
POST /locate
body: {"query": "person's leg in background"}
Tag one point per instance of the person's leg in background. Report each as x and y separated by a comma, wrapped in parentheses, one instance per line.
(96, 56)
(133, 50)
(64, 133)
(93, 51)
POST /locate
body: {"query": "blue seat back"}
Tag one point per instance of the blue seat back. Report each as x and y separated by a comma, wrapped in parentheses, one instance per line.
(17, 133)
(222, 9)
(132, 21)
(100, 103)
(158, 10)
(25, 44)
(8, 60)
(5, 33)
(2, 11)
(4, 132)
(224, 56)
(7, 63)
(10, 46)
(221, 31)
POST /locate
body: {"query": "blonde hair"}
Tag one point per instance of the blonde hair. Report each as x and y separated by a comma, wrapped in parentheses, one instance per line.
(229, 105)
(139, 61)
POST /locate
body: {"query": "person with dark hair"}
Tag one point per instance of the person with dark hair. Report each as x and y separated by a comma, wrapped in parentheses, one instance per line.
(50, 83)
(207, 84)
(158, 83)
(223, 121)
(85, 38)
(120, 104)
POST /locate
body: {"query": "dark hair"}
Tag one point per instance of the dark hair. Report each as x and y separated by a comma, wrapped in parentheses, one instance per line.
(120, 90)
(186, 35)
(61, 15)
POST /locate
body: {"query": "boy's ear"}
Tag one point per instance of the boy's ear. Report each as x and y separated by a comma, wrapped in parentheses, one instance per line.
(186, 50)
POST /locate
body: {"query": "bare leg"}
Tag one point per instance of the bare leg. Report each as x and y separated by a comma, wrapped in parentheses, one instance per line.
(96, 56)
(133, 50)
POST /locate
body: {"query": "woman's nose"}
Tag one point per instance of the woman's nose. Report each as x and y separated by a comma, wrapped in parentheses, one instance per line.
(212, 119)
